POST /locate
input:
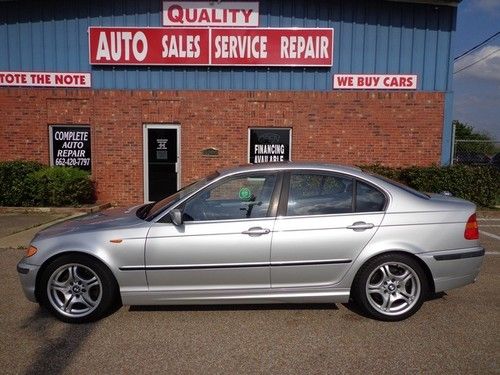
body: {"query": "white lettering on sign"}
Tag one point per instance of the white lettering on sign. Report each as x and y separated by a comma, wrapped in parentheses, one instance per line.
(117, 46)
(70, 153)
(210, 13)
(375, 81)
(44, 79)
(269, 149)
(71, 136)
(180, 46)
(299, 47)
(238, 46)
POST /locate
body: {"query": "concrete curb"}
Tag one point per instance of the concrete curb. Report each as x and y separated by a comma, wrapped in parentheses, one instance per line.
(56, 210)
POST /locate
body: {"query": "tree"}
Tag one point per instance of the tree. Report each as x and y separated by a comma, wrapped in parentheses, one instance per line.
(469, 141)
(466, 131)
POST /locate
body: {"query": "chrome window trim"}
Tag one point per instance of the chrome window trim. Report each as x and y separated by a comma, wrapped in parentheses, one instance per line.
(221, 180)
(286, 185)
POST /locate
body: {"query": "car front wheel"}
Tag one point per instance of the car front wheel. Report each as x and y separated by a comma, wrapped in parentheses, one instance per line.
(77, 289)
(390, 287)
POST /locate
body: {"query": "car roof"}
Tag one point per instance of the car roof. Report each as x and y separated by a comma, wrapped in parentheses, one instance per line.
(290, 166)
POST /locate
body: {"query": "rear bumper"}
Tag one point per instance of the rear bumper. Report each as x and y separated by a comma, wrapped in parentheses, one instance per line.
(454, 268)
(27, 275)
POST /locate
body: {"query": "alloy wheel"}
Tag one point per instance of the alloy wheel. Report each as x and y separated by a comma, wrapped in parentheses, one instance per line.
(74, 290)
(393, 288)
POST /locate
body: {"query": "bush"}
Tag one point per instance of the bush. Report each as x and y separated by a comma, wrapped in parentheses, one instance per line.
(13, 175)
(60, 186)
(24, 183)
(479, 184)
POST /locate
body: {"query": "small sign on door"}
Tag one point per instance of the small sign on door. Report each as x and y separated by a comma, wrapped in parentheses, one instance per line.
(161, 149)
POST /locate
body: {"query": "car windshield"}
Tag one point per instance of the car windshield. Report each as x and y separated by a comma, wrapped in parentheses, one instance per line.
(154, 208)
(400, 185)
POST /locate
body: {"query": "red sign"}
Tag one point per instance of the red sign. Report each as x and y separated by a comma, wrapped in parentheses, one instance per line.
(210, 13)
(148, 46)
(203, 46)
(375, 81)
(45, 79)
(272, 47)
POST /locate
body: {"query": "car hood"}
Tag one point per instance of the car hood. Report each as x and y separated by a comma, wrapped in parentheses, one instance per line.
(109, 219)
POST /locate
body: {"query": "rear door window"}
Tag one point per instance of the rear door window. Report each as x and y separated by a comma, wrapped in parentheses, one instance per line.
(319, 194)
(368, 198)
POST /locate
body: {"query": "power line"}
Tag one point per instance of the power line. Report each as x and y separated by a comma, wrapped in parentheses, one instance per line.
(475, 62)
(477, 46)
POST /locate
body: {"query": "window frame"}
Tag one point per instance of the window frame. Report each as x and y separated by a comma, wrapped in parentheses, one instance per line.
(283, 203)
(273, 202)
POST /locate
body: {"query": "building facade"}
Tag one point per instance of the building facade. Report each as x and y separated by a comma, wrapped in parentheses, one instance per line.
(151, 95)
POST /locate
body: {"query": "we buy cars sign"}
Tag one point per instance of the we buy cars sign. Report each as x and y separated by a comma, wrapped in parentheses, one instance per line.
(211, 46)
(375, 81)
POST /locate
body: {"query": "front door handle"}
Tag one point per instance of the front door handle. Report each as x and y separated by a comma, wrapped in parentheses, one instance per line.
(360, 225)
(256, 231)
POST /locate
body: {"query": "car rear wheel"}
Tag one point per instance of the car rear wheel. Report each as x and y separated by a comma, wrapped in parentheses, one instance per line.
(77, 289)
(390, 287)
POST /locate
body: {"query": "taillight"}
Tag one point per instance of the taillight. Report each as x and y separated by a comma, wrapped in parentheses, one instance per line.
(471, 228)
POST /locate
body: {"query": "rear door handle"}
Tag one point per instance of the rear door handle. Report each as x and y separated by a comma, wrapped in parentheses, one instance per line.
(360, 225)
(256, 231)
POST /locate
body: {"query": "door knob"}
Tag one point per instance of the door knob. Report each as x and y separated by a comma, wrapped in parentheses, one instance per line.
(256, 231)
(360, 225)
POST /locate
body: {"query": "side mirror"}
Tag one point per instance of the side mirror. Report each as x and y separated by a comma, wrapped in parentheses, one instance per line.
(176, 216)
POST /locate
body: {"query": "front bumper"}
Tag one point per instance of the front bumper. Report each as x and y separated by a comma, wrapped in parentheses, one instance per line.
(27, 275)
(454, 268)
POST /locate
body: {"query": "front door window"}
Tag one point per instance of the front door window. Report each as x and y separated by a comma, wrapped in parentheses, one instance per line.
(244, 197)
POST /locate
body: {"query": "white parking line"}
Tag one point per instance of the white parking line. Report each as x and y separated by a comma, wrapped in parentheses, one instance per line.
(486, 219)
(490, 225)
(490, 235)
(491, 253)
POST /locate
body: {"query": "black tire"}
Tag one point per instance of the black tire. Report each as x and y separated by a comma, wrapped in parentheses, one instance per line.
(96, 302)
(407, 297)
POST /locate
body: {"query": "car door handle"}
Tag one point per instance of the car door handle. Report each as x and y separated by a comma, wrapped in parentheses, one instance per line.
(360, 225)
(256, 231)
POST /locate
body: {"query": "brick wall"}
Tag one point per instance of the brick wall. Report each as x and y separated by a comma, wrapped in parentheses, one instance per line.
(348, 127)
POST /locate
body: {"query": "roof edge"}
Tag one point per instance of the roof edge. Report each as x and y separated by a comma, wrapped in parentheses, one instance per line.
(451, 3)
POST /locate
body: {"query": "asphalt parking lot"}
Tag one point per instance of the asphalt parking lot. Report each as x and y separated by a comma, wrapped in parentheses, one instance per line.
(457, 332)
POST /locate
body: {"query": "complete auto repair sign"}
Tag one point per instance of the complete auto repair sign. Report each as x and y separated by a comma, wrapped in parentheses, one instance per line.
(231, 38)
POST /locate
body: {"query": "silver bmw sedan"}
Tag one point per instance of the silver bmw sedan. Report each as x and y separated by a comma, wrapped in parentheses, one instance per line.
(260, 234)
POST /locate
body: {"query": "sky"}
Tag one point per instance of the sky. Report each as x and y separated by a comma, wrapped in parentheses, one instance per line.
(477, 88)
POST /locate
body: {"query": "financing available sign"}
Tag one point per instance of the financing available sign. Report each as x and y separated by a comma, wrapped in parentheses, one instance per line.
(269, 145)
(211, 46)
